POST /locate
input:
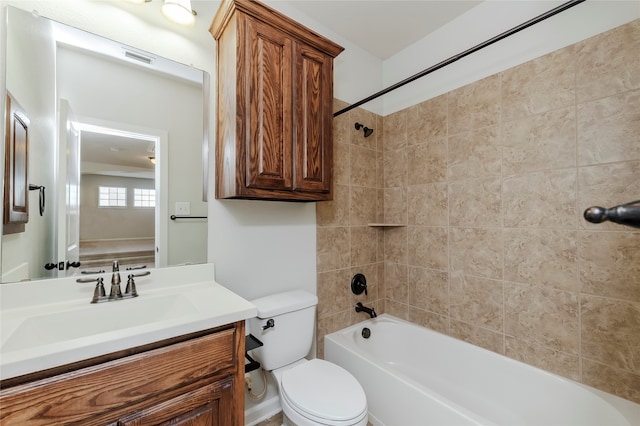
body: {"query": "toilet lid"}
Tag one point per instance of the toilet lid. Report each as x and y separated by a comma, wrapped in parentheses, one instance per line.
(324, 390)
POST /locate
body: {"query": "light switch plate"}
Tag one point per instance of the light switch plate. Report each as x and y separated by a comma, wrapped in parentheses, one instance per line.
(183, 208)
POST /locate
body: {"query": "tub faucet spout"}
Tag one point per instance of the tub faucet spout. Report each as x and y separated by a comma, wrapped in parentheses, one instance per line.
(361, 308)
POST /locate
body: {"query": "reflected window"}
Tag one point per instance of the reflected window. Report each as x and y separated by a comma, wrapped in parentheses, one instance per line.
(144, 197)
(112, 196)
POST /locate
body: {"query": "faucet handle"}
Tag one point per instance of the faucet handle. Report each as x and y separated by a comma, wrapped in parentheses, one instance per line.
(115, 266)
(101, 271)
(131, 287)
(132, 268)
(99, 292)
(131, 284)
(359, 284)
(88, 280)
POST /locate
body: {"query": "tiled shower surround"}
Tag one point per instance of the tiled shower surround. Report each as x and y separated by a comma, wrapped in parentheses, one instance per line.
(489, 182)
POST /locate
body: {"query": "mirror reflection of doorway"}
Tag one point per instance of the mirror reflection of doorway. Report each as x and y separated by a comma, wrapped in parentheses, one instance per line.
(119, 202)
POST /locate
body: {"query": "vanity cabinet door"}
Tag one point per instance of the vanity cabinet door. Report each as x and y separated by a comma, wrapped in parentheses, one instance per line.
(208, 406)
(191, 382)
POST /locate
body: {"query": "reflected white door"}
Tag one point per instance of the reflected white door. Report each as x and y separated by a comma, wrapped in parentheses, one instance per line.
(68, 230)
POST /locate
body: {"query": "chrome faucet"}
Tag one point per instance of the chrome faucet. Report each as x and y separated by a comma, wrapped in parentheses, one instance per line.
(116, 292)
(115, 281)
(361, 308)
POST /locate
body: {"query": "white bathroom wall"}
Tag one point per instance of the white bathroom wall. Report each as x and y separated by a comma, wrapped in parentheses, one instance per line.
(31, 249)
(483, 22)
(99, 223)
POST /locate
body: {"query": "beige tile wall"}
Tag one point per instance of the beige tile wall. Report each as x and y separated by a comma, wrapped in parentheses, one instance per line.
(346, 244)
(491, 181)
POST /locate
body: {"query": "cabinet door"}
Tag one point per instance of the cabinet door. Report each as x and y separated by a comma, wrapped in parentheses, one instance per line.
(269, 102)
(313, 93)
(192, 380)
(208, 406)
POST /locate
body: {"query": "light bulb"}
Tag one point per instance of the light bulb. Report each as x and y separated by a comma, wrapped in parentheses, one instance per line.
(178, 11)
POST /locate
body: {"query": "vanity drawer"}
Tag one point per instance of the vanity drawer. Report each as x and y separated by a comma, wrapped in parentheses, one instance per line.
(104, 393)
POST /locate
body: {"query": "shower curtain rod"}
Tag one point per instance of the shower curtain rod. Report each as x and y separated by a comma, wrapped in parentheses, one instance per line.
(467, 52)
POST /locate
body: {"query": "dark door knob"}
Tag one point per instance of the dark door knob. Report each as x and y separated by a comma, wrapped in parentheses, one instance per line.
(61, 265)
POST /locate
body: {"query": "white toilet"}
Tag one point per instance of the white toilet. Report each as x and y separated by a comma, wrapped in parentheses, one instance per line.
(314, 392)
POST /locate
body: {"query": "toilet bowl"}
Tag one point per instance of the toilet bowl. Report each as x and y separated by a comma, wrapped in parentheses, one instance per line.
(312, 392)
(317, 392)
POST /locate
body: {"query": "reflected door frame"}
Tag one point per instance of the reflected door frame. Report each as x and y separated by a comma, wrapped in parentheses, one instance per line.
(161, 139)
(67, 190)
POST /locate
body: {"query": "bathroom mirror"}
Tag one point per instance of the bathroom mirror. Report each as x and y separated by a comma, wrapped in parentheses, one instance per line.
(111, 119)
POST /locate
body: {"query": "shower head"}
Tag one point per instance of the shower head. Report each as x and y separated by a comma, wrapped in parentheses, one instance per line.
(367, 131)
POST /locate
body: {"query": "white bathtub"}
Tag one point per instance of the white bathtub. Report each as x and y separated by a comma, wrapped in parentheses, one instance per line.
(415, 376)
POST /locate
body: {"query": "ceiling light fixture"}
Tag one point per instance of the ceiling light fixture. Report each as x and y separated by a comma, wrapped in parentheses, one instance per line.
(179, 11)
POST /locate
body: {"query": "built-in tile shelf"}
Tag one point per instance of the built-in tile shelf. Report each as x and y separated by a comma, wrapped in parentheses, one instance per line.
(386, 225)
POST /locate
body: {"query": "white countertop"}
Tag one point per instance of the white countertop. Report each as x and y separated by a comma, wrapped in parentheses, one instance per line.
(45, 324)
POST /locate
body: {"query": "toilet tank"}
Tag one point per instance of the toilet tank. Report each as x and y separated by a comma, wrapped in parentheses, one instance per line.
(290, 338)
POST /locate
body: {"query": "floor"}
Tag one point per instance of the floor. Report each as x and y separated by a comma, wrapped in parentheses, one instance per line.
(101, 254)
(272, 421)
(277, 421)
(116, 246)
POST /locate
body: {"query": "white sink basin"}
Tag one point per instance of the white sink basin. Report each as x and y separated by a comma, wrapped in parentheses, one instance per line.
(68, 323)
(45, 324)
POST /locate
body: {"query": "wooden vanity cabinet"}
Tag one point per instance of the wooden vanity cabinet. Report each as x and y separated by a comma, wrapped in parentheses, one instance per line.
(275, 97)
(198, 381)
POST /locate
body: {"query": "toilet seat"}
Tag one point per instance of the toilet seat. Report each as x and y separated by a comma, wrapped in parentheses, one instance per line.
(324, 393)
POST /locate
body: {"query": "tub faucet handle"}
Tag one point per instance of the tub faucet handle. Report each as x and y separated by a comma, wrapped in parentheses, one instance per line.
(359, 284)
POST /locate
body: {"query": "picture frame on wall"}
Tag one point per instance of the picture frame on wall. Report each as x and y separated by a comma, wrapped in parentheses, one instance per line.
(16, 186)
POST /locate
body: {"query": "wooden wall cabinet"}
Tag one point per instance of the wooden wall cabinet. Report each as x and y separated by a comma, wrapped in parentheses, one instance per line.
(275, 97)
(198, 381)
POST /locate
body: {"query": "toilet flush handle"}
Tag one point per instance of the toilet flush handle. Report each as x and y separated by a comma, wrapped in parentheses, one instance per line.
(270, 323)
